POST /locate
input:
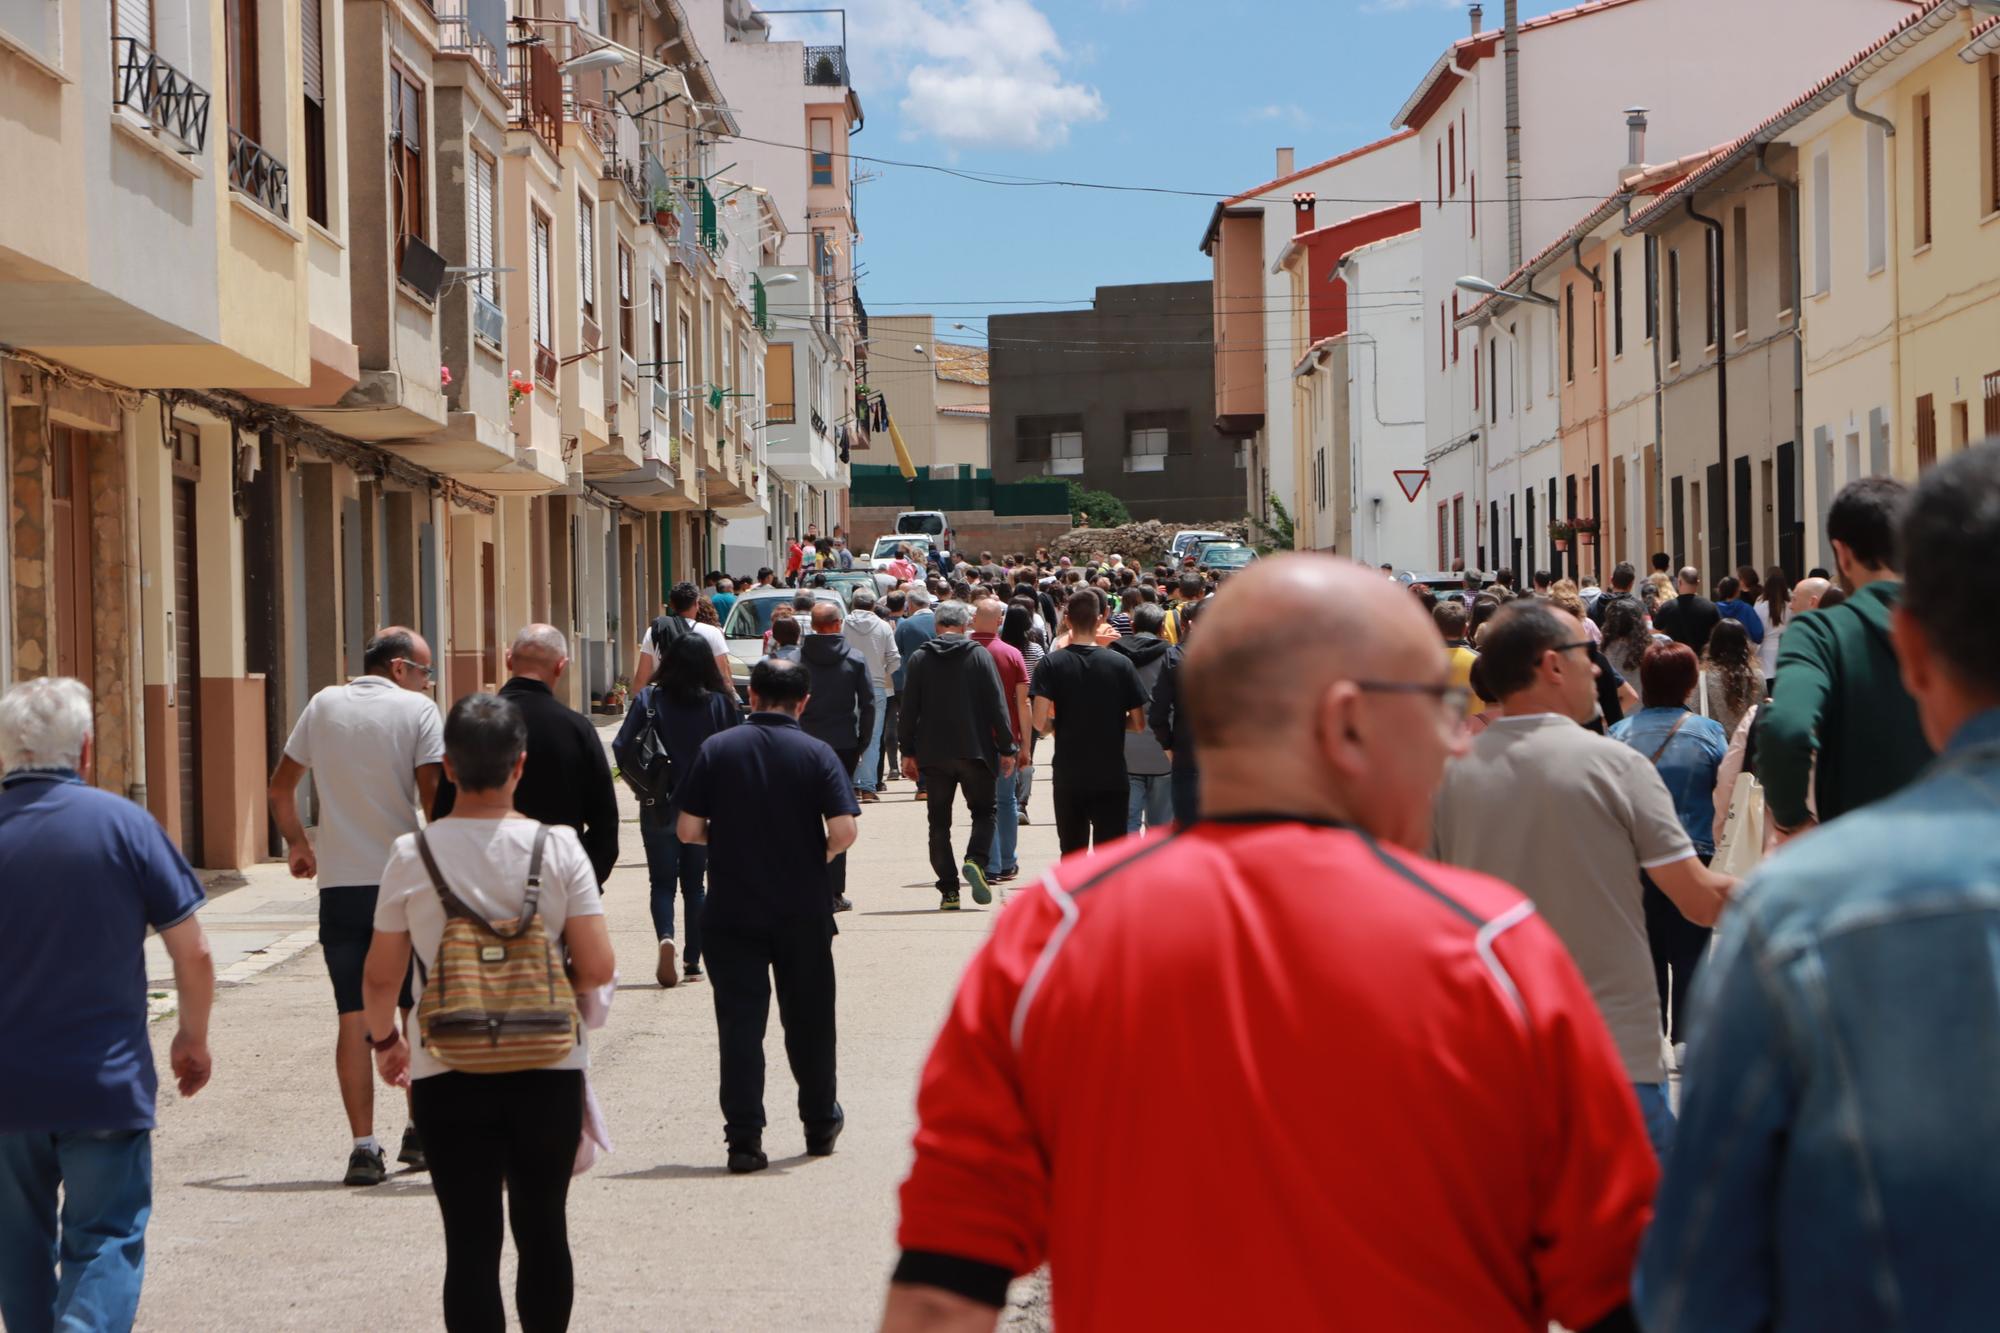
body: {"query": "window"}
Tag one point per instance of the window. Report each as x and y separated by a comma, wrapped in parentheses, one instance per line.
(1822, 188)
(1711, 287)
(541, 294)
(1146, 450)
(822, 151)
(1923, 169)
(586, 258)
(485, 244)
(1477, 382)
(1788, 250)
(1451, 158)
(1444, 534)
(1066, 454)
(1926, 433)
(1472, 202)
(406, 156)
(1740, 236)
(1990, 386)
(1596, 331)
(683, 371)
(312, 67)
(1457, 530)
(1034, 437)
(1878, 199)
(626, 343)
(1569, 333)
(1444, 339)
(657, 328)
(1492, 379)
(780, 383)
(1673, 307)
(1618, 302)
(134, 19)
(1440, 173)
(239, 21)
(1990, 88)
(1652, 253)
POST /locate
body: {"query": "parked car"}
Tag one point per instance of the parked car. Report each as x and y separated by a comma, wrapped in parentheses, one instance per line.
(1187, 540)
(750, 619)
(927, 523)
(1224, 557)
(886, 547)
(846, 581)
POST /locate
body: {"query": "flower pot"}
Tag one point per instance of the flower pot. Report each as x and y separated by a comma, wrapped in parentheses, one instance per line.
(1562, 544)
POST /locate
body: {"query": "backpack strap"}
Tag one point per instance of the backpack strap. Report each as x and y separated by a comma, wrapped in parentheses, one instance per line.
(1670, 737)
(455, 906)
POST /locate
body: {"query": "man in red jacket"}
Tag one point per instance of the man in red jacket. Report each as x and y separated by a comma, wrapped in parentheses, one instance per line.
(1276, 1070)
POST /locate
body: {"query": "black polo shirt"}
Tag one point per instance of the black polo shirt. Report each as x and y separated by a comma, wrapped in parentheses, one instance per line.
(1093, 689)
(766, 790)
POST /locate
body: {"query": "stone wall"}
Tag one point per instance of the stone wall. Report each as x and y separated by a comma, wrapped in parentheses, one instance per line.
(976, 530)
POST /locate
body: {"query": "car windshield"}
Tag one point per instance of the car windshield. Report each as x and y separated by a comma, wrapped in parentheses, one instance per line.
(1225, 555)
(749, 620)
(931, 524)
(885, 548)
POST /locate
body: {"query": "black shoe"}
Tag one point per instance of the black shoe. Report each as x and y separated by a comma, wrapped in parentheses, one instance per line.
(821, 1145)
(411, 1154)
(365, 1167)
(692, 972)
(840, 903)
(975, 875)
(742, 1161)
(949, 903)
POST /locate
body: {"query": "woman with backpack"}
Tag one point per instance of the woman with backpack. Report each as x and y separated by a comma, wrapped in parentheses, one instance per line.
(490, 902)
(687, 702)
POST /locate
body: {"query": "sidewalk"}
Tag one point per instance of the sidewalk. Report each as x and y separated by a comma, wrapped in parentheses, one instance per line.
(252, 1228)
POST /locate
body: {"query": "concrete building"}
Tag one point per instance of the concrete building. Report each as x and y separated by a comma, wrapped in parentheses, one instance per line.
(938, 393)
(1119, 397)
(1252, 316)
(1576, 72)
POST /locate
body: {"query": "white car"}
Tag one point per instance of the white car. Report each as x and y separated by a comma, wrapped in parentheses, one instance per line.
(1187, 540)
(885, 549)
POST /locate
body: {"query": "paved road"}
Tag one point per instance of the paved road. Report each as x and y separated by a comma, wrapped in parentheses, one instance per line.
(252, 1229)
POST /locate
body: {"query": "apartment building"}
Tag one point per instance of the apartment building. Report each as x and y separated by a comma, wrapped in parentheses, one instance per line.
(937, 391)
(329, 316)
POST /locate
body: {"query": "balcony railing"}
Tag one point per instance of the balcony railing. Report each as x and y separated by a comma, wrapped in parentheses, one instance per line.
(469, 28)
(826, 66)
(258, 174)
(535, 89)
(489, 325)
(162, 94)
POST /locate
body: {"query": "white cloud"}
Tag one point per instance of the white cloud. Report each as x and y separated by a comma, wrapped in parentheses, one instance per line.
(1290, 113)
(978, 73)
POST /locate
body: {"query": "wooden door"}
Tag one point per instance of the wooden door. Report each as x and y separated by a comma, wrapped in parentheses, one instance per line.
(187, 668)
(69, 490)
(489, 619)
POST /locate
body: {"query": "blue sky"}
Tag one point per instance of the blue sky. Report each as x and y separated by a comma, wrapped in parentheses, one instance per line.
(1182, 93)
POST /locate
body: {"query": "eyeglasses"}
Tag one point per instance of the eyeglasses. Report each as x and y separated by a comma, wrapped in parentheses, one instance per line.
(429, 672)
(1565, 647)
(1453, 700)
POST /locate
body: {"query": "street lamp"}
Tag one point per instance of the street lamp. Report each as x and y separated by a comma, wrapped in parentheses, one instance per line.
(1482, 287)
(591, 62)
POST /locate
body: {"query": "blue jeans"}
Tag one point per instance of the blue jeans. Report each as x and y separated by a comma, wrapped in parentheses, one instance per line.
(1186, 786)
(1658, 1114)
(99, 1237)
(1152, 800)
(1006, 827)
(871, 753)
(671, 864)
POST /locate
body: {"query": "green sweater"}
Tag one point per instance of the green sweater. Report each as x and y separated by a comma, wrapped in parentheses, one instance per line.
(1839, 696)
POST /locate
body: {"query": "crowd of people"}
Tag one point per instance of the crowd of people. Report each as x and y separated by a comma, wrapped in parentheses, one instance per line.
(1437, 892)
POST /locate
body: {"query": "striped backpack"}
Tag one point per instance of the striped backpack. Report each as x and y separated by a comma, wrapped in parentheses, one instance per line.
(497, 998)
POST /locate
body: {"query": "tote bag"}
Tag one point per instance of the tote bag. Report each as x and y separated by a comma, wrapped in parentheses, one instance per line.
(1742, 843)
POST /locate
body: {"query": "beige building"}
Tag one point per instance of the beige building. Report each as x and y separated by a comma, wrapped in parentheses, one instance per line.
(938, 392)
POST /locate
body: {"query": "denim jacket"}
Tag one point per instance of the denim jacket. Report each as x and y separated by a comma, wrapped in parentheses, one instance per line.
(1687, 763)
(1837, 1161)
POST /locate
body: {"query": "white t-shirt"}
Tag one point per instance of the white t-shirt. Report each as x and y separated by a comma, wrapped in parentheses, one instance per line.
(1767, 651)
(717, 645)
(485, 863)
(364, 742)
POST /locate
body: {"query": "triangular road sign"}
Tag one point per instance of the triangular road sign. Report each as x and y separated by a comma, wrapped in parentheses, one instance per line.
(1412, 480)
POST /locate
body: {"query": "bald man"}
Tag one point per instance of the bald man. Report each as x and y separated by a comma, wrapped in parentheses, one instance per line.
(567, 777)
(840, 709)
(1806, 596)
(1276, 1068)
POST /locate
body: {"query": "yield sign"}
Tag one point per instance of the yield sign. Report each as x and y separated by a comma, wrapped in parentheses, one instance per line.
(1412, 480)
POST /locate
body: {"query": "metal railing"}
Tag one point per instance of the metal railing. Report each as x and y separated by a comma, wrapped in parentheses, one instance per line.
(258, 174)
(162, 94)
(458, 36)
(826, 66)
(489, 325)
(535, 88)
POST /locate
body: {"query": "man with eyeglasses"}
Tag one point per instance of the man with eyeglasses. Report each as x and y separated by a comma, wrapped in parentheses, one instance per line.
(1391, 1095)
(1571, 818)
(375, 747)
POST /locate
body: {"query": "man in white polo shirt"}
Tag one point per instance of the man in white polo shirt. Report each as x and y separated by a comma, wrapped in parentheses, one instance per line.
(376, 748)
(679, 620)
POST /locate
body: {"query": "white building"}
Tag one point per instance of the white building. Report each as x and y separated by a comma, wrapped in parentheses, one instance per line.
(1384, 430)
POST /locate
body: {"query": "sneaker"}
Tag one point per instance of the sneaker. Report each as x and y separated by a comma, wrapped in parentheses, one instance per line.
(1022, 818)
(975, 875)
(692, 972)
(866, 797)
(411, 1154)
(664, 973)
(742, 1161)
(949, 903)
(1007, 875)
(841, 904)
(821, 1145)
(365, 1167)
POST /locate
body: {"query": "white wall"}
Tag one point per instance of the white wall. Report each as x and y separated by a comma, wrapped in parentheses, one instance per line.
(1386, 404)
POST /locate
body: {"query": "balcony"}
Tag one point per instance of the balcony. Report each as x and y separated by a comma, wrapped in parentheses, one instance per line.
(826, 66)
(258, 174)
(169, 99)
(535, 89)
(474, 28)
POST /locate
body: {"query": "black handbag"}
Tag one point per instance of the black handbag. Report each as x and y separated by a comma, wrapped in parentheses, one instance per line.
(649, 769)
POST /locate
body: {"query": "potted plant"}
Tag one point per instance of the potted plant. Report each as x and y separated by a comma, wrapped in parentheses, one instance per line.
(1586, 530)
(1561, 531)
(519, 386)
(666, 212)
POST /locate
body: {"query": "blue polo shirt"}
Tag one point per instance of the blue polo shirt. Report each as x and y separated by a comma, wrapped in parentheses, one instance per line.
(766, 790)
(83, 873)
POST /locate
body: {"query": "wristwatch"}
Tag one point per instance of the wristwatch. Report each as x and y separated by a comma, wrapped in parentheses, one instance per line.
(385, 1043)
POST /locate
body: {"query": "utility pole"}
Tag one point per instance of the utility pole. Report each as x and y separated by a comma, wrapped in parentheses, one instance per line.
(1511, 44)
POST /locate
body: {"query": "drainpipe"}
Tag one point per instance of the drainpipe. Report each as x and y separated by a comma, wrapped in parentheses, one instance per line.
(1892, 251)
(135, 618)
(1659, 403)
(1714, 226)
(1512, 45)
(1791, 224)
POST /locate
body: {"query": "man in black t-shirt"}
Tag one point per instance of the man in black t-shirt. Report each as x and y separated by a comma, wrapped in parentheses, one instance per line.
(1089, 697)
(1689, 617)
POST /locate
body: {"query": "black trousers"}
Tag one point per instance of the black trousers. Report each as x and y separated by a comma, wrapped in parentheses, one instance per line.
(889, 756)
(1088, 815)
(1678, 945)
(942, 779)
(483, 1131)
(836, 869)
(742, 966)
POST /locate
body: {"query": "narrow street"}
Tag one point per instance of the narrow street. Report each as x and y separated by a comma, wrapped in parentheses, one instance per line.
(247, 1195)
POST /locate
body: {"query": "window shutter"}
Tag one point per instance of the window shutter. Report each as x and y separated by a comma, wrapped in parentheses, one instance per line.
(134, 18)
(1926, 433)
(586, 257)
(311, 63)
(538, 273)
(1992, 387)
(1993, 134)
(485, 284)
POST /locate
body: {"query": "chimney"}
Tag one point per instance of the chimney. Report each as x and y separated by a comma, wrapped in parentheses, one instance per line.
(1284, 161)
(1635, 138)
(1304, 210)
(1478, 15)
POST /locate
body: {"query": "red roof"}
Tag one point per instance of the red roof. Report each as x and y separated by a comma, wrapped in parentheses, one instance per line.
(1348, 156)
